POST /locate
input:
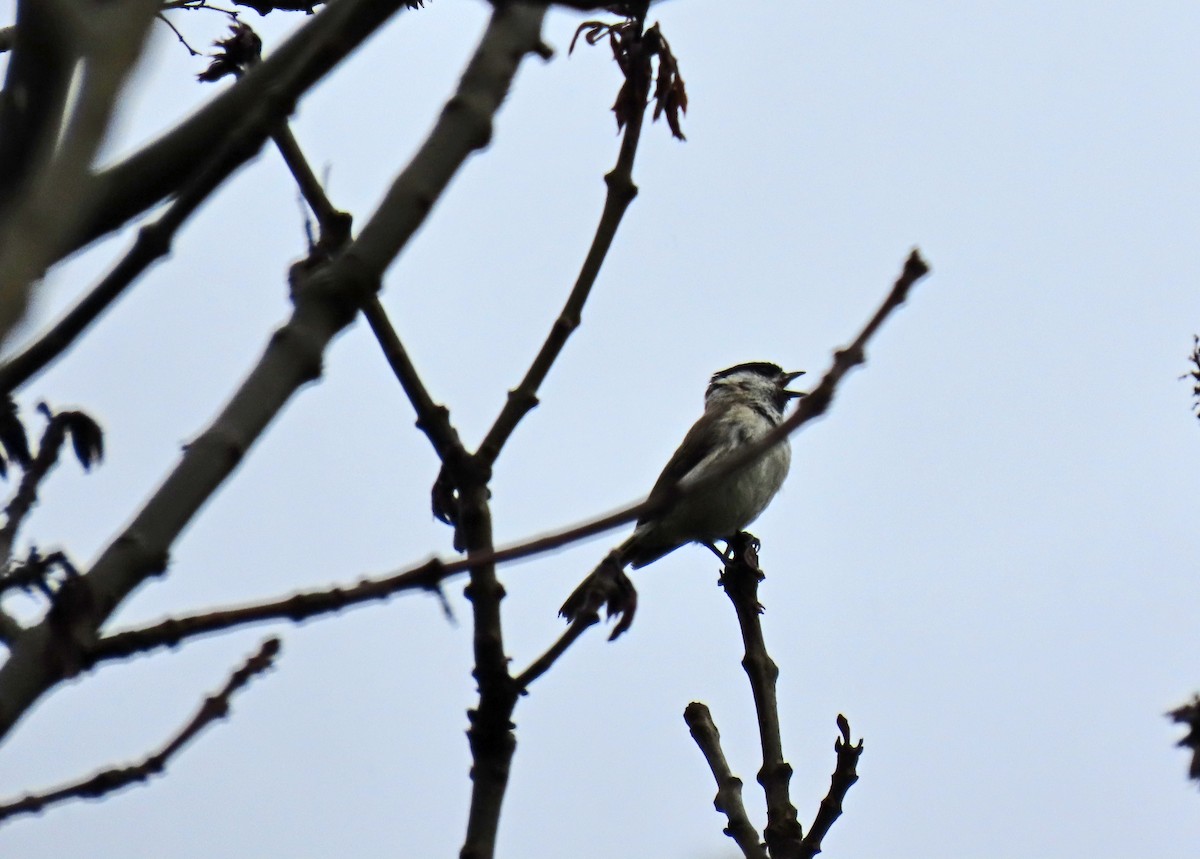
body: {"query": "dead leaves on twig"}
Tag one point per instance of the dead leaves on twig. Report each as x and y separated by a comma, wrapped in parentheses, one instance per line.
(241, 49)
(1189, 715)
(634, 51)
(12, 438)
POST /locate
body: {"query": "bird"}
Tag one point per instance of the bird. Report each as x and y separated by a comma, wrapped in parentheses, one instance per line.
(742, 404)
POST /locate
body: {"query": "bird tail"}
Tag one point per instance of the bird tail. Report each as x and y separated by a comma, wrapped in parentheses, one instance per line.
(608, 586)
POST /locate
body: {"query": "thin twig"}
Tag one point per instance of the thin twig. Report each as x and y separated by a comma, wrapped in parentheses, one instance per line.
(178, 35)
(845, 774)
(740, 580)
(296, 608)
(621, 192)
(432, 418)
(214, 707)
(544, 662)
(335, 224)
(728, 800)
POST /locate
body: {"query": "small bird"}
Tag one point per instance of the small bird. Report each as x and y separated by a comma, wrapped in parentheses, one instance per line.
(742, 404)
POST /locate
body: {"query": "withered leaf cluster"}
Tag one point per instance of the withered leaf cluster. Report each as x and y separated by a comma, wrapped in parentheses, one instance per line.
(241, 49)
(1189, 714)
(634, 50)
(12, 438)
(1195, 373)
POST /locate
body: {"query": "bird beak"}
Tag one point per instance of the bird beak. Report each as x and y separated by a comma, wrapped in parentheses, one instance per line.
(788, 378)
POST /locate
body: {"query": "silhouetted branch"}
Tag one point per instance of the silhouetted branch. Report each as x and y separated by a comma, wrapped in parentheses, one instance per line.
(729, 787)
(845, 774)
(153, 241)
(105, 782)
(162, 167)
(296, 608)
(621, 192)
(432, 418)
(544, 662)
(335, 224)
(47, 147)
(740, 580)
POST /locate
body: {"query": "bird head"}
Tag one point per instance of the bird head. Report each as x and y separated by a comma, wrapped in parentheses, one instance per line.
(755, 382)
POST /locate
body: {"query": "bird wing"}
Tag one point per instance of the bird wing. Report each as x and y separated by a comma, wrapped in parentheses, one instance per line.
(694, 450)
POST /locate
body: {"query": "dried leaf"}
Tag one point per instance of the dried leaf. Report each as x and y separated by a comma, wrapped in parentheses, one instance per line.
(87, 438)
(12, 436)
(236, 53)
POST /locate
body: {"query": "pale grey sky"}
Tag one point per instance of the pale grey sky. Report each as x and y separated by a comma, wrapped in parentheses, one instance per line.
(985, 555)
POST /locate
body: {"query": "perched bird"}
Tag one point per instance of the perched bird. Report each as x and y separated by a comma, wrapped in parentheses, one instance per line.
(742, 404)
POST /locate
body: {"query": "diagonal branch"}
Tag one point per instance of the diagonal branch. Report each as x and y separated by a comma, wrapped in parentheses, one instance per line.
(153, 241)
(729, 787)
(159, 169)
(544, 662)
(50, 190)
(621, 192)
(326, 299)
(214, 707)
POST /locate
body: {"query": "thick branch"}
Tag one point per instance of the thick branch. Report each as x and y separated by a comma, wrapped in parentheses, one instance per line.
(153, 242)
(729, 787)
(105, 782)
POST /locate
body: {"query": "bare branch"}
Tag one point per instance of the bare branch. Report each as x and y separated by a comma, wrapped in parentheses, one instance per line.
(845, 774)
(335, 224)
(157, 171)
(729, 787)
(107, 781)
(544, 662)
(621, 192)
(48, 189)
(296, 608)
(153, 243)
(432, 418)
(740, 580)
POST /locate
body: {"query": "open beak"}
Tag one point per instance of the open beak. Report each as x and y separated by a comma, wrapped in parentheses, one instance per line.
(787, 379)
